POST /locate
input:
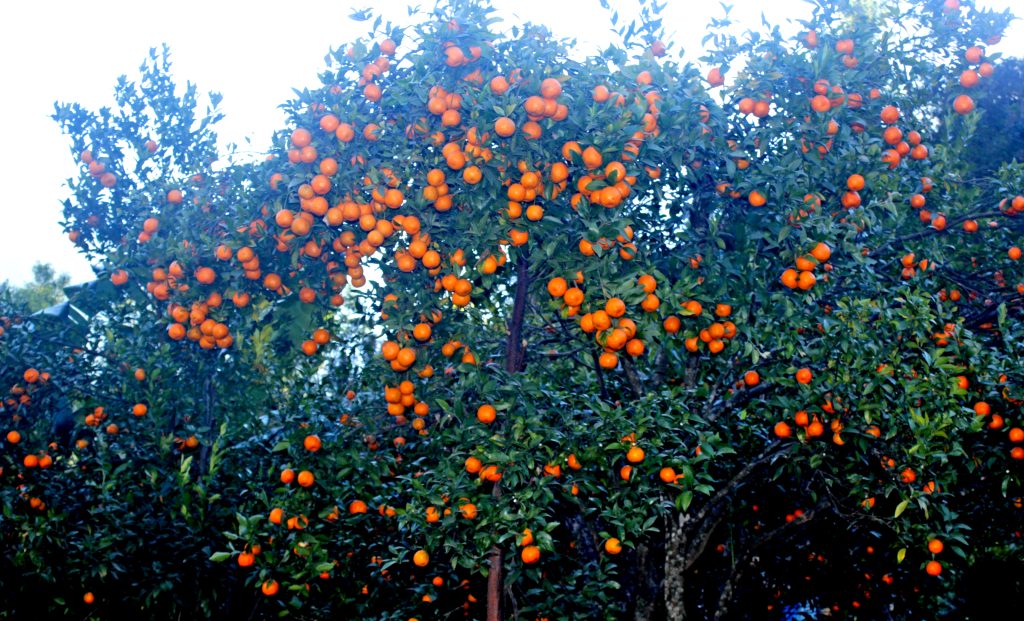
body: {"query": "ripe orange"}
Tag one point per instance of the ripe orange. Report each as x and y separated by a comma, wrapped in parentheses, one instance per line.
(557, 287)
(821, 252)
(306, 478)
(615, 307)
(550, 88)
(421, 558)
(312, 443)
(935, 546)
(504, 127)
(270, 588)
(806, 280)
(635, 455)
(804, 375)
(486, 414)
(613, 546)
(530, 554)
(890, 114)
(933, 568)
(963, 104)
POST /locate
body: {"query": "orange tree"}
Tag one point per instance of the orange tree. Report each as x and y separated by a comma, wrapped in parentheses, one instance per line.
(642, 343)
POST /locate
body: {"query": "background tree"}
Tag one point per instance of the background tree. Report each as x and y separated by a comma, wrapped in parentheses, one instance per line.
(46, 289)
(1000, 139)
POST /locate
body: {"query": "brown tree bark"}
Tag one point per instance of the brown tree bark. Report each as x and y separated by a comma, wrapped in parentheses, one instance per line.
(515, 357)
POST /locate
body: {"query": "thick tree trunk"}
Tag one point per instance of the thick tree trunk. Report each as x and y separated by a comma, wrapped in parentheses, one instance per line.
(515, 357)
(675, 566)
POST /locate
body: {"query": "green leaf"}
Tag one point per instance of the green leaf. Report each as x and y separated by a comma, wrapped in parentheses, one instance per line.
(220, 557)
(685, 499)
(900, 508)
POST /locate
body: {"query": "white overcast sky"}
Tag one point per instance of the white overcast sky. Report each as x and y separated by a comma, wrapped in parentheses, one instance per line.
(252, 52)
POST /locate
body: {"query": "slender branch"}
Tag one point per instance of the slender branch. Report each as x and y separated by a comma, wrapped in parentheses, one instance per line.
(933, 231)
(634, 380)
(600, 376)
(739, 477)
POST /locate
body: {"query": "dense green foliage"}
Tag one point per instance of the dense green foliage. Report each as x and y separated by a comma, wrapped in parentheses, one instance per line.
(511, 307)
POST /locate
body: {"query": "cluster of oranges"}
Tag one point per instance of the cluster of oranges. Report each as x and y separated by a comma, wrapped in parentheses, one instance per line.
(1015, 435)
(613, 338)
(486, 472)
(319, 338)
(21, 396)
(401, 399)
(812, 427)
(911, 265)
(204, 330)
(33, 378)
(803, 277)
(715, 336)
(98, 169)
(969, 78)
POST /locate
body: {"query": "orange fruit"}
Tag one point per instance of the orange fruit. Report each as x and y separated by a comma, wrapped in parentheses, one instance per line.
(667, 475)
(312, 443)
(504, 127)
(963, 104)
(557, 287)
(530, 554)
(486, 414)
(613, 546)
(270, 588)
(550, 88)
(821, 252)
(635, 455)
(615, 307)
